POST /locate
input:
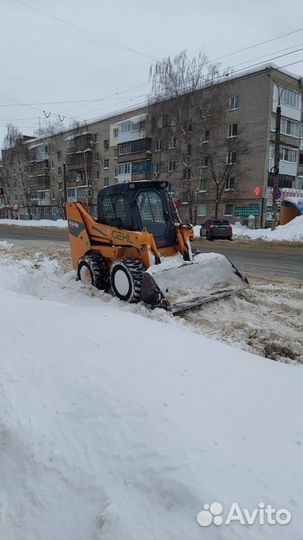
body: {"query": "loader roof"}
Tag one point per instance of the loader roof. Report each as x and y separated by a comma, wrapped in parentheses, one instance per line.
(122, 188)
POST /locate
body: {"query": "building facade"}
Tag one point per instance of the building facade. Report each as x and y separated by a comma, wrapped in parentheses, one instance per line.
(229, 143)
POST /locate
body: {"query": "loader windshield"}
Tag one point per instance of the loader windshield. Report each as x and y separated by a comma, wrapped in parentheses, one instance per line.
(155, 217)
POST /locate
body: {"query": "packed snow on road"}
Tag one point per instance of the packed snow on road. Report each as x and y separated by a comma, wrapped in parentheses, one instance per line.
(59, 223)
(116, 425)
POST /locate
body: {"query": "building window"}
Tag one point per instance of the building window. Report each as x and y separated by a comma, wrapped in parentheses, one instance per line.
(286, 154)
(228, 209)
(205, 161)
(300, 180)
(186, 173)
(157, 167)
(106, 163)
(115, 153)
(59, 155)
(231, 157)
(171, 166)
(46, 211)
(189, 149)
(97, 175)
(59, 170)
(233, 130)
(71, 193)
(54, 211)
(204, 111)
(106, 144)
(158, 145)
(106, 182)
(96, 137)
(288, 127)
(172, 143)
(124, 168)
(52, 165)
(289, 97)
(203, 185)
(205, 136)
(97, 156)
(159, 122)
(233, 103)
(230, 184)
(53, 196)
(201, 210)
(115, 133)
(184, 197)
(172, 121)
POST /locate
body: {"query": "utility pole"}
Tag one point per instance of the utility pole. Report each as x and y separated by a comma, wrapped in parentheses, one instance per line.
(276, 166)
(64, 189)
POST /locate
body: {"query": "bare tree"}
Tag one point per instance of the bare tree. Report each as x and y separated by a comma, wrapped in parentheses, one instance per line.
(188, 107)
(15, 168)
(175, 106)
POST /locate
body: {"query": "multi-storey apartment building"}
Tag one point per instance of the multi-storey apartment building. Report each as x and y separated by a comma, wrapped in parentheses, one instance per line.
(234, 145)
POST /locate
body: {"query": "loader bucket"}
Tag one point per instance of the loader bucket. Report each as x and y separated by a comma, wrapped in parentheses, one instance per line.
(177, 286)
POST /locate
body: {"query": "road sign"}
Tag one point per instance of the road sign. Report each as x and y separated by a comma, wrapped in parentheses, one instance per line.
(245, 211)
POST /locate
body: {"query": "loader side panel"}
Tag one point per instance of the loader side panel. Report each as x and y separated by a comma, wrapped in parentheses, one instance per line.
(78, 236)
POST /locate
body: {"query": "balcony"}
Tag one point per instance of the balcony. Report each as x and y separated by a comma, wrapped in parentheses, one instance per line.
(42, 198)
(82, 142)
(133, 129)
(134, 148)
(79, 160)
(38, 152)
(39, 182)
(286, 167)
(38, 167)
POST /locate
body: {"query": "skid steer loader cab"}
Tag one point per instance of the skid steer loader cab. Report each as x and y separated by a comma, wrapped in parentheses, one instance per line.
(138, 249)
(139, 206)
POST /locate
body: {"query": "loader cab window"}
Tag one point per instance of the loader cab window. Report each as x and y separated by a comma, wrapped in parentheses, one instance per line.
(155, 218)
(150, 207)
(114, 212)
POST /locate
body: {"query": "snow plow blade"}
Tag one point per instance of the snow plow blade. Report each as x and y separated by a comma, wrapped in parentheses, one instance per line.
(177, 286)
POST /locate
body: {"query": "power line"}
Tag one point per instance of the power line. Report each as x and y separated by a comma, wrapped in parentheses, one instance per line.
(77, 27)
(257, 44)
(111, 96)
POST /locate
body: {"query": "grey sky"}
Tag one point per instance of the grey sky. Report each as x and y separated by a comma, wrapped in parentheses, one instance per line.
(44, 60)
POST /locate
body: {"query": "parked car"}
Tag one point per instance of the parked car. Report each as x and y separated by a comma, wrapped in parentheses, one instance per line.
(216, 228)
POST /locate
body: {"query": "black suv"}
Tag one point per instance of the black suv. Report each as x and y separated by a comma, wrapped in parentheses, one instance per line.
(216, 228)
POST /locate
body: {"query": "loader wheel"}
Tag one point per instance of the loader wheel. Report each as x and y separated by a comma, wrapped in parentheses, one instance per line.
(92, 270)
(126, 279)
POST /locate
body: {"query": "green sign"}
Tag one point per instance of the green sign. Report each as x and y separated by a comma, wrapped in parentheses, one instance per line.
(247, 211)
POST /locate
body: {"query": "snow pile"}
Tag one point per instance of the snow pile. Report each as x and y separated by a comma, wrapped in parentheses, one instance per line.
(117, 426)
(197, 231)
(59, 223)
(6, 246)
(291, 232)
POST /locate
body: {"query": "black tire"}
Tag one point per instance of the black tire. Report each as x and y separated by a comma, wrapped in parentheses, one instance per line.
(210, 238)
(230, 238)
(92, 270)
(126, 279)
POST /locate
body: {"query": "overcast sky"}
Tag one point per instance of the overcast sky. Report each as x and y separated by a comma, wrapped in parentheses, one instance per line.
(73, 50)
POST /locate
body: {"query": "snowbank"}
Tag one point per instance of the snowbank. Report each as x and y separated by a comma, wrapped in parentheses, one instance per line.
(116, 426)
(59, 223)
(291, 232)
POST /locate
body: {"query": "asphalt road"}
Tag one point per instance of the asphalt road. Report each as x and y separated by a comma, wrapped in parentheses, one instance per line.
(259, 258)
(264, 259)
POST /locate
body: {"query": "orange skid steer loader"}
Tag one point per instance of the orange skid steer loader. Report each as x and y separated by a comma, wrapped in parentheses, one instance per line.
(138, 249)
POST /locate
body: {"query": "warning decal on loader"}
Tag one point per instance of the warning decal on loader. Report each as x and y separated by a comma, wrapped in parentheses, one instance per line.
(75, 228)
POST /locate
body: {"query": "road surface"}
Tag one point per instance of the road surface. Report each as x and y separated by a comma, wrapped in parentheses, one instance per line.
(264, 259)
